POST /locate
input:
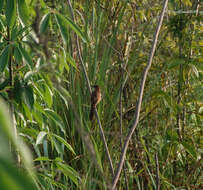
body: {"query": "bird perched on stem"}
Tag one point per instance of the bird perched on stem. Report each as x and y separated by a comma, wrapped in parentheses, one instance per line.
(95, 99)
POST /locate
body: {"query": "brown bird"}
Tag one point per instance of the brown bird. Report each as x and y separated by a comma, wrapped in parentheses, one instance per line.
(95, 99)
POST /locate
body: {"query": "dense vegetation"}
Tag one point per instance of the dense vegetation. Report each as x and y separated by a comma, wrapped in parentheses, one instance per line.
(52, 51)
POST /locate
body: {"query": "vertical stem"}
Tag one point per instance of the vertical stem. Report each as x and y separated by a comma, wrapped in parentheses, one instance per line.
(157, 172)
(10, 93)
(180, 80)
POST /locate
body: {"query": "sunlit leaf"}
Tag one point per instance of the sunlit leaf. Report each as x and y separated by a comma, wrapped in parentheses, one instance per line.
(40, 137)
(44, 23)
(42, 159)
(62, 23)
(194, 70)
(23, 11)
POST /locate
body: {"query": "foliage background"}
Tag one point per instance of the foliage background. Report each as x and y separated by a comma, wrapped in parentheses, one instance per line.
(44, 48)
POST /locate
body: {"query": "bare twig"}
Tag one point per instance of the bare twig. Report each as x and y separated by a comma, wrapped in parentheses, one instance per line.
(138, 108)
(89, 87)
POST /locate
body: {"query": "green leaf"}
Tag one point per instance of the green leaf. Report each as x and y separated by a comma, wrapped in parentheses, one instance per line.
(175, 63)
(76, 29)
(28, 97)
(17, 144)
(12, 178)
(17, 55)
(42, 159)
(71, 60)
(56, 118)
(44, 23)
(10, 12)
(4, 58)
(26, 56)
(40, 137)
(48, 95)
(4, 84)
(23, 11)
(1, 5)
(165, 96)
(98, 156)
(194, 70)
(68, 171)
(23, 32)
(63, 22)
(68, 146)
(190, 149)
(28, 75)
(59, 147)
(18, 90)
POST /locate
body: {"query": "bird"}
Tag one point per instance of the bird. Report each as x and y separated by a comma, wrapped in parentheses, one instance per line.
(95, 99)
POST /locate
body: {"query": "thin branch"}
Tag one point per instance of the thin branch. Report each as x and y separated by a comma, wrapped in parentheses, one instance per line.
(157, 172)
(90, 91)
(137, 112)
(121, 129)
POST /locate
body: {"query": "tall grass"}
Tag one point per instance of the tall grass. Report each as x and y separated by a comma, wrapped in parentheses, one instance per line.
(61, 48)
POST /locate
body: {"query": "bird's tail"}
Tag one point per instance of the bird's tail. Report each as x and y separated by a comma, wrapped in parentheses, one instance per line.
(92, 112)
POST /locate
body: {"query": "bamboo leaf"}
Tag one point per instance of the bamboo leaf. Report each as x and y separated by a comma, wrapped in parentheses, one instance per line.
(23, 11)
(56, 118)
(26, 56)
(44, 23)
(68, 146)
(63, 22)
(68, 171)
(76, 29)
(17, 55)
(1, 5)
(40, 137)
(11, 12)
(28, 97)
(59, 148)
(4, 59)
(48, 96)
